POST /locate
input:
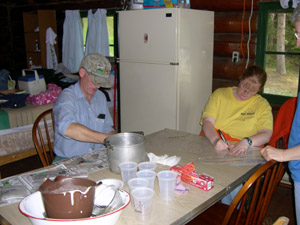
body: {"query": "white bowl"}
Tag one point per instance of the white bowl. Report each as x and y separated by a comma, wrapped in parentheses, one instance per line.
(32, 206)
(110, 181)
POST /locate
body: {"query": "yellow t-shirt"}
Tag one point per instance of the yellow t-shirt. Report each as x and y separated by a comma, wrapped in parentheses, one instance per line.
(239, 119)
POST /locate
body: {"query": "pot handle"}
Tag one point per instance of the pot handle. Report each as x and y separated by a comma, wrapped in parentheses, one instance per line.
(108, 145)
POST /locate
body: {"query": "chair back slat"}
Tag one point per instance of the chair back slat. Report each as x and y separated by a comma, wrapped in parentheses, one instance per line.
(48, 141)
(259, 188)
(41, 135)
(51, 144)
(262, 187)
(42, 146)
(254, 201)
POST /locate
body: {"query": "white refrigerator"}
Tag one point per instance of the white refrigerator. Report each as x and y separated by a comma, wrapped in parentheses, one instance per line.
(165, 62)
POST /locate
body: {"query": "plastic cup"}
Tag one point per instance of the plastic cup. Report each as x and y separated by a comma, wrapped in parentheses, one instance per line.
(142, 202)
(166, 181)
(136, 183)
(148, 175)
(128, 170)
(147, 166)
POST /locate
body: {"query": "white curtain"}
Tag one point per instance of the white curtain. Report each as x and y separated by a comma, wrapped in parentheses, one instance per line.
(72, 52)
(97, 34)
(50, 50)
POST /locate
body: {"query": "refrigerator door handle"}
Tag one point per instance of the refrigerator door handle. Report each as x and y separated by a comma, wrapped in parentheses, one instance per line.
(118, 60)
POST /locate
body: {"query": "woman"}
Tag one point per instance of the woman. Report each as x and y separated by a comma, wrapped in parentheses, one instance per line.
(292, 154)
(240, 113)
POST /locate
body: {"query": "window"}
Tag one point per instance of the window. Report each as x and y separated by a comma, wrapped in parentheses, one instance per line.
(277, 53)
(111, 32)
(110, 17)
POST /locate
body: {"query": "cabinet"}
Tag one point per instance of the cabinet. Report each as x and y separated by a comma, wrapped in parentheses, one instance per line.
(35, 25)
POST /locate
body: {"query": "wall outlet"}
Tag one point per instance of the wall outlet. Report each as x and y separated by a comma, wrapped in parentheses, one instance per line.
(235, 57)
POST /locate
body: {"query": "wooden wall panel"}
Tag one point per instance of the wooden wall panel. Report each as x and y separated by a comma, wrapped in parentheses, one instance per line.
(231, 28)
(234, 37)
(224, 68)
(225, 49)
(224, 5)
(223, 83)
(231, 22)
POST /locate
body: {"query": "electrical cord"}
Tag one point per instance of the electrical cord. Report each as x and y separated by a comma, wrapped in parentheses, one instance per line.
(242, 37)
(249, 36)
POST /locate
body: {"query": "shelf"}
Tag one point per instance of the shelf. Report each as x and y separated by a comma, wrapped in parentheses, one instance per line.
(35, 26)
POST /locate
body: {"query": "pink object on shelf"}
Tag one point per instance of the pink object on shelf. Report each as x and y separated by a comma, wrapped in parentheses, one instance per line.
(47, 97)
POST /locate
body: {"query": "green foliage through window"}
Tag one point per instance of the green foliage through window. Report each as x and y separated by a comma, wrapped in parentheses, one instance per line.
(277, 52)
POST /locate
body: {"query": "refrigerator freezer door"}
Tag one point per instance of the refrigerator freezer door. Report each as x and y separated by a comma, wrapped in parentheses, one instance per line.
(147, 97)
(149, 35)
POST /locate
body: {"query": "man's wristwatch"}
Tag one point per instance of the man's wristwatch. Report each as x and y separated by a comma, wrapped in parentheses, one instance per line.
(249, 143)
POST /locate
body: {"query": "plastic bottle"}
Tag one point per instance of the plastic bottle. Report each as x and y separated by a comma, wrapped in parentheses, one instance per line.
(184, 4)
(187, 4)
(30, 63)
(36, 46)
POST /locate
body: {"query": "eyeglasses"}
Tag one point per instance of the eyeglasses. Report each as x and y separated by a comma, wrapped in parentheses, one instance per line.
(246, 87)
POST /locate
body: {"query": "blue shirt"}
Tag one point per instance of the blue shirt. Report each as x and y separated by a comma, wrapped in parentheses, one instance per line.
(72, 107)
(294, 140)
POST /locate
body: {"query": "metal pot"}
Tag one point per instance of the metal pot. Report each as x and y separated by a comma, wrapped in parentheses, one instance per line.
(68, 197)
(124, 147)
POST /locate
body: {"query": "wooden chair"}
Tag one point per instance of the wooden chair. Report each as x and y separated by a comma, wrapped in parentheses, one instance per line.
(251, 203)
(281, 132)
(282, 221)
(283, 123)
(41, 135)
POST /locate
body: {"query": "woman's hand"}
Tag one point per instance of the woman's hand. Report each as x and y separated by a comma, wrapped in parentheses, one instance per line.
(220, 145)
(240, 148)
(270, 152)
(211, 134)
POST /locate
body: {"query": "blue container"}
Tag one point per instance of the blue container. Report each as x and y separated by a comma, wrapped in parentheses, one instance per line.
(29, 78)
(151, 4)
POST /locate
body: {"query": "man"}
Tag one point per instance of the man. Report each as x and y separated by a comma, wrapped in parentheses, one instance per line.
(82, 119)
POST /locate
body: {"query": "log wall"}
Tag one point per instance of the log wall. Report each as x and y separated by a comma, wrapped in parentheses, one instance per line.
(231, 33)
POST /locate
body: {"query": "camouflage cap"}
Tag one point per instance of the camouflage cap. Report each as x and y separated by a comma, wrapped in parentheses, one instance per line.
(98, 67)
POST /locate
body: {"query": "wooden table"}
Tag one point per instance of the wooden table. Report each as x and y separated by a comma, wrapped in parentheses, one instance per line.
(182, 208)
